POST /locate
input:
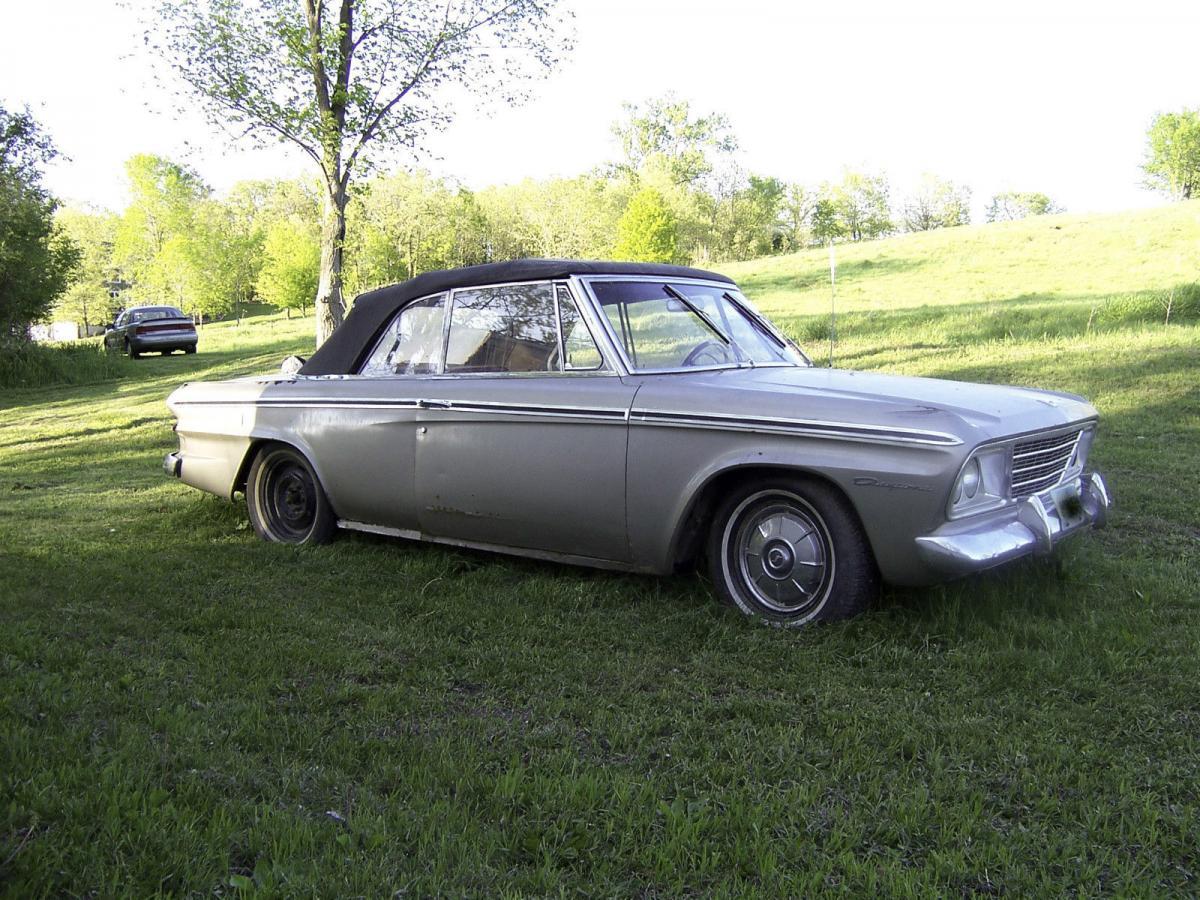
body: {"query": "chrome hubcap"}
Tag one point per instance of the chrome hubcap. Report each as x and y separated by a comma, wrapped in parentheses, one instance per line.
(782, 553)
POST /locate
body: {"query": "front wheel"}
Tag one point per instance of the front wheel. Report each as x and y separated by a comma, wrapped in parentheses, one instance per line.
(791, 551)
(285, 500)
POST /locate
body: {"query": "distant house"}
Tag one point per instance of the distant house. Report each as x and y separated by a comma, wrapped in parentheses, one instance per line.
(63, 331)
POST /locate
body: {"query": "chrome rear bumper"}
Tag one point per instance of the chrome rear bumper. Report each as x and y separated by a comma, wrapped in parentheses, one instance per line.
(1033, 526)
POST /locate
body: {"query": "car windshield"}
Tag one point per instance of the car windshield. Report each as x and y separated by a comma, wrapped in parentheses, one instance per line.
(679, 325)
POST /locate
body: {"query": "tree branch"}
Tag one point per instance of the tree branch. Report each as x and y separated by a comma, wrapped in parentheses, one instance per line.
(313, 10)
(431, 56)
(345, 55)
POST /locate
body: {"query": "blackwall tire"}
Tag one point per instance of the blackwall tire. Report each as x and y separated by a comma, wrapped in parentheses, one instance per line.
(285, 500)
(791, 551)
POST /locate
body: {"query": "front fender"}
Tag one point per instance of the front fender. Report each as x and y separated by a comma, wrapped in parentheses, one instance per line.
(898, 491)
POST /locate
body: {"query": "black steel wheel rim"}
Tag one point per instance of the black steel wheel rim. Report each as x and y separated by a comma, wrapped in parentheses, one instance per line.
(289, 498)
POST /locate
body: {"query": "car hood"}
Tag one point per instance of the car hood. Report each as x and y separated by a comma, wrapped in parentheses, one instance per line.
(971, 412)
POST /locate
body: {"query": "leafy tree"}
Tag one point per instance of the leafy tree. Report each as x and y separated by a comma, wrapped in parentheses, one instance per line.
(646, 232)
(1012, 205)
(796, 209)
(171, 277)
(826, 226)
(337, 79)
(164, 196)
(569, 217)
(1173, 154)
(37, 260)
(861, 205)
(408, 223)
(557, 217)
(266, 201)
(291, 265)
(665, 128)
(224, 250)
(937, 203)
(252, 208)
(746, 219)
(87, 301)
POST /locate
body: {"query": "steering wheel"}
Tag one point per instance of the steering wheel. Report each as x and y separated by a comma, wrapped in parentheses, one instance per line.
(706, 353)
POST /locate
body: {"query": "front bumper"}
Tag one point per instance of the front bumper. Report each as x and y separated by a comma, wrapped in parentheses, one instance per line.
(1034, 526)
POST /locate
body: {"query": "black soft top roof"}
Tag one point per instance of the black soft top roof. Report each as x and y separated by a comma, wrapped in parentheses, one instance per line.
(343, 351)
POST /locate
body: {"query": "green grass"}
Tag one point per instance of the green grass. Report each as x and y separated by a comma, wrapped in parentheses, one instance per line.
(187, 710)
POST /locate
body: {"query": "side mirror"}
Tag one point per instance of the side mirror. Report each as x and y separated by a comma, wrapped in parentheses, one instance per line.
(292, 364)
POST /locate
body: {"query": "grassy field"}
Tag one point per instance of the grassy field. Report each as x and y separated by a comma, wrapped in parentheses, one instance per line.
(186, 710)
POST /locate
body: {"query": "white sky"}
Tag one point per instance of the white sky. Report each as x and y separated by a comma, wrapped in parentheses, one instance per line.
(1053, 95)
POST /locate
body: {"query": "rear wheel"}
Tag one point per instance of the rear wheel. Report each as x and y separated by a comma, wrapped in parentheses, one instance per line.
(791, 551)
(190, 348)
(285, 499)
(129, 351)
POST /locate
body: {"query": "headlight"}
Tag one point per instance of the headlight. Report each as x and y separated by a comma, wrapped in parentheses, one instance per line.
(981, 485)
(971, 477)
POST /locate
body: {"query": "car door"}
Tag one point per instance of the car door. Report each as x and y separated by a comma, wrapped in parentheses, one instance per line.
(360, 429)
(522, 441)
(112, 337)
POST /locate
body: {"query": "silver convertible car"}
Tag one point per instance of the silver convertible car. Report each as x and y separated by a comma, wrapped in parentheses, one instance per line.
(646, 418)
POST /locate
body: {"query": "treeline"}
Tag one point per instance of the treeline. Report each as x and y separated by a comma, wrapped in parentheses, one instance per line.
(676, 194)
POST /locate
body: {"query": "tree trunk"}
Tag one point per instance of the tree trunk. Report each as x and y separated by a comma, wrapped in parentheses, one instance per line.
(329, 303)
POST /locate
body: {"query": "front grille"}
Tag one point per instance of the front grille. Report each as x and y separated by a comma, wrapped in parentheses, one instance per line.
(1039, 463)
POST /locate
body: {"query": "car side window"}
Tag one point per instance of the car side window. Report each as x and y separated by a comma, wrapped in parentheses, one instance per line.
(580, 352)
(508, 328)
(412, 343)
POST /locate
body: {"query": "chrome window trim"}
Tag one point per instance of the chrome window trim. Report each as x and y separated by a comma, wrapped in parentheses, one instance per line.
(585, 300)
(586, 282)
(605, 371)
(604, 368)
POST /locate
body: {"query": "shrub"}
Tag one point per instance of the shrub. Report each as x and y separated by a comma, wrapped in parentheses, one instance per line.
(34, 365)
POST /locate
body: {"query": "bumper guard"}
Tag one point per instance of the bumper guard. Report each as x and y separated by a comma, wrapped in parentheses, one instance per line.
(1034, 526)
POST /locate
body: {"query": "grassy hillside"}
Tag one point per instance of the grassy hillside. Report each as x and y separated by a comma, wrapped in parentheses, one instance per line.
(1051, 275)
(185, 710)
